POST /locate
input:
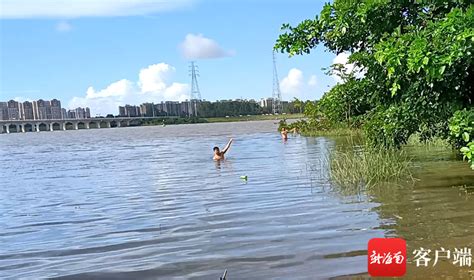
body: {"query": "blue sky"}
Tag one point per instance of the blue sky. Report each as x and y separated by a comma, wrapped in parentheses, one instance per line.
(107, 53)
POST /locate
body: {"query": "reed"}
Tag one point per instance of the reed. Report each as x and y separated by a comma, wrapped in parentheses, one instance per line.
(366, 166)
(343, 131)
(435, 142)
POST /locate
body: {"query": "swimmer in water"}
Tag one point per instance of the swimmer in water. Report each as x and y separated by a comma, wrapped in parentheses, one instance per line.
(218, 154)
(284, 133)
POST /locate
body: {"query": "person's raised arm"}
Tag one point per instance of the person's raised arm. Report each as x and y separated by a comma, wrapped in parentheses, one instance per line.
(227, 146)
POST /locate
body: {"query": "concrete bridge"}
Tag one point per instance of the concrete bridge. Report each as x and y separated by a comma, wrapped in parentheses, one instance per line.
(69, 124)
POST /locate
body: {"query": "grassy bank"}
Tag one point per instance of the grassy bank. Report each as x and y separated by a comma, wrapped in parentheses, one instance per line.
(354, 163)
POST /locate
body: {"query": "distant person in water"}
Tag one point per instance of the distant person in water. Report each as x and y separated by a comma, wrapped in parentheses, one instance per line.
(284, 133)
(218, 154)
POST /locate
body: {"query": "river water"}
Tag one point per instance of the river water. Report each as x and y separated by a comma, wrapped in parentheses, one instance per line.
(149, 203)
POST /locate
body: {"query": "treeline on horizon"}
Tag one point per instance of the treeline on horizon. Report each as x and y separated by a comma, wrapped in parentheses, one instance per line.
(235, 108)
(207, 109)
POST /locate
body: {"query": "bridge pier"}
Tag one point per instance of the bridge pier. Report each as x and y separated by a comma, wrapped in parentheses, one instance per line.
(8, 128)
(63, 126)
(118, 123)
(76, 126)
(109, 125)
(86, 124)
(51, 127)
(22, 127)
(37, 127)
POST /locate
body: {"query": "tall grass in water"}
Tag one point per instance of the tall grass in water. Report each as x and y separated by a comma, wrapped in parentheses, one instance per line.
(342, 131)
(432, 143)
(367, 166)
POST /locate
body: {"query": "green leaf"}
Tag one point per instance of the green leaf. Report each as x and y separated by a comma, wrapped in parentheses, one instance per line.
(441, 69)
(464, 150)
(465, 137)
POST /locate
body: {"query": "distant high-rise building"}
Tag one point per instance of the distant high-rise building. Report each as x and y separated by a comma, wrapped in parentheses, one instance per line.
(13, 110)
(173, 108)
(80, 113)
(27, 111)
(188, 108)
(3, 111)
(55, 106)
(122, 112)
(267, 104)
(41, 109)
(36, 110)
(132, 111)
(160, 109)
(147, 110)
(184, 108)
(71, 114)
(63, 113)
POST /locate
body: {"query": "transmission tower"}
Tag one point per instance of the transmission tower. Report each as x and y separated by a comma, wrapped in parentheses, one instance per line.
(195, 93)
(276, 104)
(194, 73)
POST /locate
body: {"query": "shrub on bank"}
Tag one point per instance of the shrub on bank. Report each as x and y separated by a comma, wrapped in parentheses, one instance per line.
(461, 133)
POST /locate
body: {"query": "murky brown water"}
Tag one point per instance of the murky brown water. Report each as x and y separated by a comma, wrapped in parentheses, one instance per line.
(149, 203)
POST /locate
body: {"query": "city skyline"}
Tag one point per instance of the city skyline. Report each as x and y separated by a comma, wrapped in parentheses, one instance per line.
(105, 60)
(40, 110)
(51, 109)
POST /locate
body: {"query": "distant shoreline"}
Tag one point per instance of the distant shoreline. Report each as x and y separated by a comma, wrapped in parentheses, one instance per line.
(255, 118)
(180, 120)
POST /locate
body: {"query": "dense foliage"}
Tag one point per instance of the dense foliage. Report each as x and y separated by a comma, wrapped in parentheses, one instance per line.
(346, 102)
(223, 108)
(167, 121)
(228, 108)
(461, 133)
(414, 60)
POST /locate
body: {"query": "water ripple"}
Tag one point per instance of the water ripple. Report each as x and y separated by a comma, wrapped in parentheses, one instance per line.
(148, 203)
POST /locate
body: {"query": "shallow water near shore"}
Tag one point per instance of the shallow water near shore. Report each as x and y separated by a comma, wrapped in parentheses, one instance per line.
(149, 203)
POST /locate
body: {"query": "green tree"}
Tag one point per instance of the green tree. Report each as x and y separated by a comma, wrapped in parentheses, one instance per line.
(298, 104)
(416, 58)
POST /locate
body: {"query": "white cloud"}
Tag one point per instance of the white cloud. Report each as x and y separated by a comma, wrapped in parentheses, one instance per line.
(196, 46)
(86, 8)
(117, 89)
(63, 26)
(153, 78)
(152, 86)
(294, 85)
(343, 59)
(312, 81)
